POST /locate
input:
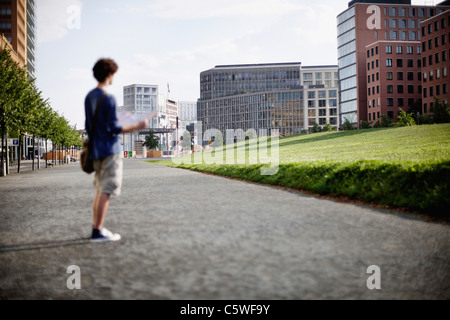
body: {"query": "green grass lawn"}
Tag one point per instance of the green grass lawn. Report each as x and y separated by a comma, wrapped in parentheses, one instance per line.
(406, 167)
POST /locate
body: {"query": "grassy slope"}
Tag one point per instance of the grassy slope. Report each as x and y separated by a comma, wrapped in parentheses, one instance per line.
(405, 167)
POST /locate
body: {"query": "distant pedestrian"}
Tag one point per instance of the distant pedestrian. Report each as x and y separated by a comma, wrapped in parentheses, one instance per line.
(106, 151)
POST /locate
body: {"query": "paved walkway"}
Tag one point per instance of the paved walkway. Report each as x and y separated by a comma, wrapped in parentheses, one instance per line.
(187, 235)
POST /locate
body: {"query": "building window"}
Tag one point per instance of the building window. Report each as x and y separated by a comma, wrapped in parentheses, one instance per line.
(392, 12)
(401, 102)
(388, 62)
(390, 75)
(410, 76)
(388, 49)
(410, 89)
(399, 49)
(390, 89)
(392, 35)
(390, 102)
(400, 88)
(400, 63)
(409, 50)
(402, 35)
(400, 75)
(410, 63)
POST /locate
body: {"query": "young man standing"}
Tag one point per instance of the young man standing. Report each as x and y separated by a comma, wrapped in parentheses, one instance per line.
(106, 151)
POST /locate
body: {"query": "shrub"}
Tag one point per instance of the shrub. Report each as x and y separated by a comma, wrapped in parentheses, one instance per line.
(316, 128)
(404, 119)
(441, 113)
(365, 125)
(383, 122)
(327, 127)
(347, 125)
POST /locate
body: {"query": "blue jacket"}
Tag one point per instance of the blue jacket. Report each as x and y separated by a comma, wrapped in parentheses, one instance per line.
(107, 128)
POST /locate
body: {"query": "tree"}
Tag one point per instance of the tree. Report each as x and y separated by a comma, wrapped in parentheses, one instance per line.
(441, 112)
(24, 111)
(186, 141)
(151, 141)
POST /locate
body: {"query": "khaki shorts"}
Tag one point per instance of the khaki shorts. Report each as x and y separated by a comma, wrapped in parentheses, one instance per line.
(108, 175)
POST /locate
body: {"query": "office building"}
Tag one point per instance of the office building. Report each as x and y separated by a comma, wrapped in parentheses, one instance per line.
(13, 26)
(267, 96)
(142, 99)
(320, 84)
(435, 60)
(187, 110)
(31, 39)
(393, 78)
(365, 25)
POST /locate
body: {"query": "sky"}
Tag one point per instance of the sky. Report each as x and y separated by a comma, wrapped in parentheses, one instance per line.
(170, 42)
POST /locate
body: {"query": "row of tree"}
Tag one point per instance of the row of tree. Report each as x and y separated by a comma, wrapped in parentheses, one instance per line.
(23, 110)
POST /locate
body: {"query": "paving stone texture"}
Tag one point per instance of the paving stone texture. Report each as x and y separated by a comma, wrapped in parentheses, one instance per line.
(187, 235)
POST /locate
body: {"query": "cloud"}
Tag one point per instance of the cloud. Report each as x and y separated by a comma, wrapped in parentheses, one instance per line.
(55, 19)
(204, 9)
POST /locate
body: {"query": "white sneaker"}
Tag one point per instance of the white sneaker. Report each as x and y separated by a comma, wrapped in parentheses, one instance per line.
(105, 236)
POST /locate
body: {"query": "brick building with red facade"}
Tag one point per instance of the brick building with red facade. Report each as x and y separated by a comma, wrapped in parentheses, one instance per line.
(435, 60)
(392, 30)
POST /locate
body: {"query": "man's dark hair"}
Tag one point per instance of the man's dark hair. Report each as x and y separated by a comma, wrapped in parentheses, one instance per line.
(103, 68)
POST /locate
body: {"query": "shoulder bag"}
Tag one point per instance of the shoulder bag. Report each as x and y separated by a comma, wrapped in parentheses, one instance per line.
(87, 164)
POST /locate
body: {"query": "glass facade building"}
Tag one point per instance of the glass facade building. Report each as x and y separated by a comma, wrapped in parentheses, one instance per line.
(31, 39)
(267, 96)
(362, 25)
(347, 65)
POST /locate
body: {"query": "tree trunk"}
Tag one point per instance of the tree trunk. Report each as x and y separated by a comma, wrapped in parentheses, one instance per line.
(46, 154)
(32, 165)
(3, 154)
(20, 152)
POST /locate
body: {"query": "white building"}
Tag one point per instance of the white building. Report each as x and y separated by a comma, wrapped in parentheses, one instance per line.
(321, 96)
(142, 99)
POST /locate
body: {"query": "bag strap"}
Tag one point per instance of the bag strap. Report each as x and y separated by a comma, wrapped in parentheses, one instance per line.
(92, 128)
